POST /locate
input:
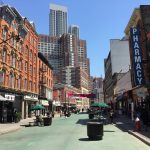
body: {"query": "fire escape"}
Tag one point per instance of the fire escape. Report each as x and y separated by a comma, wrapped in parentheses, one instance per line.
(42, 82)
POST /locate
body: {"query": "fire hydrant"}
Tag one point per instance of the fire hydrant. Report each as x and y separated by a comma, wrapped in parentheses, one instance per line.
(137, 124)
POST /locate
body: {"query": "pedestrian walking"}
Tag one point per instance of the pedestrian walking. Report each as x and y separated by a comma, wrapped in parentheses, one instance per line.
(82, 109)
(65, 113)
(61, 113)
(137, 124)
(40, 120)
(145, 118)
(111, 116)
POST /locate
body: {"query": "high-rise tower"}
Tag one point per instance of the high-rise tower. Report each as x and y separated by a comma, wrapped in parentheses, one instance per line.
(57, 20)
(74, 29)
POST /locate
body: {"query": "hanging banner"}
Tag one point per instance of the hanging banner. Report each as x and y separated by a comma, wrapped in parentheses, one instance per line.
(137, 56)
(91, 95)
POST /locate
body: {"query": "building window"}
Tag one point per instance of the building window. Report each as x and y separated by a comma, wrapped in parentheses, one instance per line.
(26, 52)
(20, 48)
(15, 43)
(25, 84)
(2, 77)
(11, 80)
(11, 41)
(26, 66)
(4, 34)
(34, 87)
(30, 55)
(20, 65)
(30, 69)
(34, 71)
(14, 60)
(30, 85)
(4, 55)
(19, 83)
(11, 58)
(35, 59)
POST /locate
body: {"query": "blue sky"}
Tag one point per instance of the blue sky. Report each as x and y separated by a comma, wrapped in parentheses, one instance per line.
(99, 21)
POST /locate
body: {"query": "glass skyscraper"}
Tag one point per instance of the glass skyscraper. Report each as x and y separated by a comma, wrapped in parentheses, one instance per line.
(57, 20)
(74, 29)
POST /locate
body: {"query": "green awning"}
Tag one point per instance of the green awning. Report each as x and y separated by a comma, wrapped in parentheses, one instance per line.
(99, 104)
(37, 107)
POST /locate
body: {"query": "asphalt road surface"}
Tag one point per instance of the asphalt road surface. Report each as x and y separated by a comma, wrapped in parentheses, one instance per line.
(69, 134)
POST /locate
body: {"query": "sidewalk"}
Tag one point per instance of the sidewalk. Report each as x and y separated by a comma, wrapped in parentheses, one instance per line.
(127, 125)
(10, 127)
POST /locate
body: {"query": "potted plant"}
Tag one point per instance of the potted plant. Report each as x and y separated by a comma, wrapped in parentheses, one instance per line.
(18, 116)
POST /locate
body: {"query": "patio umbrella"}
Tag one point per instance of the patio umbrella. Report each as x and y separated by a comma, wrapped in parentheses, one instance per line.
(99, 104)
(37, 107)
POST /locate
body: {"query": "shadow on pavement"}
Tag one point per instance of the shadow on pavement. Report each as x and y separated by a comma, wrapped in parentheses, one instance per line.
(26, 125)
(82, 121)
(124, 123)
(84, 139)
(87, 139)
(108, 131)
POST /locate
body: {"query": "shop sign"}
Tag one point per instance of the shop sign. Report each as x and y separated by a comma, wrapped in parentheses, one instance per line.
(44, 103)
(56, 103)
(30, 97)
(10, 97)
(140, 92)
(137, 56)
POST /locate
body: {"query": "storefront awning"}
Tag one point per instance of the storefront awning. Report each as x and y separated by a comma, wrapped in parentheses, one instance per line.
(56, 103)
(120, 97)
(44, 102)
(3, 98)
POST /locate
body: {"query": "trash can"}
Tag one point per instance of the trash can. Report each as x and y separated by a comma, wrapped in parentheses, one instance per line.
(47, 121)
(91, 116)
(95, 130)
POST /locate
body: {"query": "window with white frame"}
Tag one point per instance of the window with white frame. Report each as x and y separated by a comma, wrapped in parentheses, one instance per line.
(19, 83)
(14, 60)
(4, 55)
(2, 77)
(25, 84)
(4, 34)
(11, 80)
(26, 66)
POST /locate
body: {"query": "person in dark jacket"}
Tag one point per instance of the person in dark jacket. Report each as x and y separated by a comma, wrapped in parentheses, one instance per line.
(111, 116)
(145, 118)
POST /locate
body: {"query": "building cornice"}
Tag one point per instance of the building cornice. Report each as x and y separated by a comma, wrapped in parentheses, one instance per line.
(133, 20)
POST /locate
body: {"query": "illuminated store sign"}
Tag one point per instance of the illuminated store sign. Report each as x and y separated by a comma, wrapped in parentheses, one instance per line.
(137, 56)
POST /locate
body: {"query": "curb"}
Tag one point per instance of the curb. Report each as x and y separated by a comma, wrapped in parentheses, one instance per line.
(140, 137)
(10, 130)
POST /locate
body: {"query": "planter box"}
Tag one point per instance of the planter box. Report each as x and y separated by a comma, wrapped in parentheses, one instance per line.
(47, 121)
(91, 116)
(95, 130)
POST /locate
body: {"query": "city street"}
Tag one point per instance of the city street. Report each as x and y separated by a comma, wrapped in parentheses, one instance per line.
(69, 134)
